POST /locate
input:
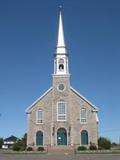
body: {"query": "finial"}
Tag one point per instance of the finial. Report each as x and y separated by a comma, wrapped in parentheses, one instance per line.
(60, 7)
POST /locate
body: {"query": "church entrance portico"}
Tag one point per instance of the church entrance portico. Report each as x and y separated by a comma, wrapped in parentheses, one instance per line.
(61, 136)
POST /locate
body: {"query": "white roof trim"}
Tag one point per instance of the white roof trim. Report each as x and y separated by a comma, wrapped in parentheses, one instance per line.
(96, 108)
(97, 119)
(27, 110)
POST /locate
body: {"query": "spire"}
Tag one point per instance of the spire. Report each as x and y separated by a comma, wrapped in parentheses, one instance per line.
(61, 42)
(61, 49)
(61, 56)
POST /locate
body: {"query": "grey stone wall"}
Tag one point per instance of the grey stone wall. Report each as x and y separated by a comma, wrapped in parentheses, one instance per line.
(91, 126)
(45, 104)
(50, 124)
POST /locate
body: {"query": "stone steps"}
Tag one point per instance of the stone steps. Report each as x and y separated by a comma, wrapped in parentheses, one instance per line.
(61, 150)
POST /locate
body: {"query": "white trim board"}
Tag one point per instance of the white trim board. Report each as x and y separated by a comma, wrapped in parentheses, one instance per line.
(28, 108)
(96, 108)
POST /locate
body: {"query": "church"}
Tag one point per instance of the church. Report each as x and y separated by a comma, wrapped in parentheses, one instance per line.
(61, 116)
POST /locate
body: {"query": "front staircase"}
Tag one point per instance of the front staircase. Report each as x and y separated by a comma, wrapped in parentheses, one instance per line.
(67, 150)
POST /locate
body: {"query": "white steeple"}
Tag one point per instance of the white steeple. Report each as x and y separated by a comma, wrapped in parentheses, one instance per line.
(61, 57)
(61, 41)
(61, 49)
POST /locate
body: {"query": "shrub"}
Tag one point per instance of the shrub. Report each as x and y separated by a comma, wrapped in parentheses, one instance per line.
(20, 143)
(114, 144)
(100, 148)
(29, 149)
(104, 143)
(81, 148)
(41, 149)
(93, 147)
(16, 148)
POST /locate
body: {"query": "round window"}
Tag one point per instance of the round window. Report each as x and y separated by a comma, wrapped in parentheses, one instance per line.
(61, 87)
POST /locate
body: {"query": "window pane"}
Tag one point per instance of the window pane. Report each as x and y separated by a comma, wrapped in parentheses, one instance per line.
(61, 117)
(83, 115)
(40, 116)
(61, 108)
(61, 111)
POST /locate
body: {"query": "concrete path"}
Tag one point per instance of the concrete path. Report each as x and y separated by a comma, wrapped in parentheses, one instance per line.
(60, 157)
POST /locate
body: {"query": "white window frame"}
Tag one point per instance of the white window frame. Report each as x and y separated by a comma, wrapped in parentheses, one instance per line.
(83, 118)
(62, 120)
(39, 120)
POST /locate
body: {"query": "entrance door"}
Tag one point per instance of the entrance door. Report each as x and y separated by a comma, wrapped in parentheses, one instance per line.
(84, 137)
(39, 138)
(61, 136)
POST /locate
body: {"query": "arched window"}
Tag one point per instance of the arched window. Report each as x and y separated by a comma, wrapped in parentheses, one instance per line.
(84, 137)
(61, 67)
(39, 116)
(61, 64)
(61, 111)
(39, 138)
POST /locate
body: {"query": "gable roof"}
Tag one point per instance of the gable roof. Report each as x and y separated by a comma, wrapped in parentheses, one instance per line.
(77, 93)
(27, 110)
(11, 139)
(81, 96)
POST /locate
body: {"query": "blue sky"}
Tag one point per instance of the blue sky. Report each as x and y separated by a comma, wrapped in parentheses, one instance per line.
(28, 37)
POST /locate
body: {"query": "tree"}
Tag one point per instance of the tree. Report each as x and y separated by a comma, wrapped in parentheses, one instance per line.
(21, 143)
(24, 140)
(1, 142)
(104, 143)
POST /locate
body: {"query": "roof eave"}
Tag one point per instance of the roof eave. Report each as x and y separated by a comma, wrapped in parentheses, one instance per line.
(30, 107)
(94, 107)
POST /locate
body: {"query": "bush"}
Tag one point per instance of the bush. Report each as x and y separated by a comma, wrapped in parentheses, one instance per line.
(81, 148)
(41, 149)
(16, 148)
(100, 148)
(93, 147)
(29, 149)
(104, 143)
(21, 144)
(114, 144)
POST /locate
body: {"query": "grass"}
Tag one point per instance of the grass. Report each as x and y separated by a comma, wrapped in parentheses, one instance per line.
(75, 152)
(98, 152)
(21, 152)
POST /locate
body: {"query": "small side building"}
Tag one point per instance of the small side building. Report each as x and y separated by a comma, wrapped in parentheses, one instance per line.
(9, 142)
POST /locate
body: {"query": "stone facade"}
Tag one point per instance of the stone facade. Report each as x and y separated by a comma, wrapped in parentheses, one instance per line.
(62, 116)
(73, 126)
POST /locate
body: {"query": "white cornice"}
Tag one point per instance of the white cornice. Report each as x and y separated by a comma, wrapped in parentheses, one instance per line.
(94, 107)
(61, 75)
(28, 109)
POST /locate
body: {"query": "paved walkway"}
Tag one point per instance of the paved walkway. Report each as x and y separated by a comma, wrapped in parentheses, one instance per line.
(60, 157)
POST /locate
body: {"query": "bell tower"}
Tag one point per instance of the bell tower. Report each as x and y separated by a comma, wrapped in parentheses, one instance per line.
(61, 56)
(61, 76)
